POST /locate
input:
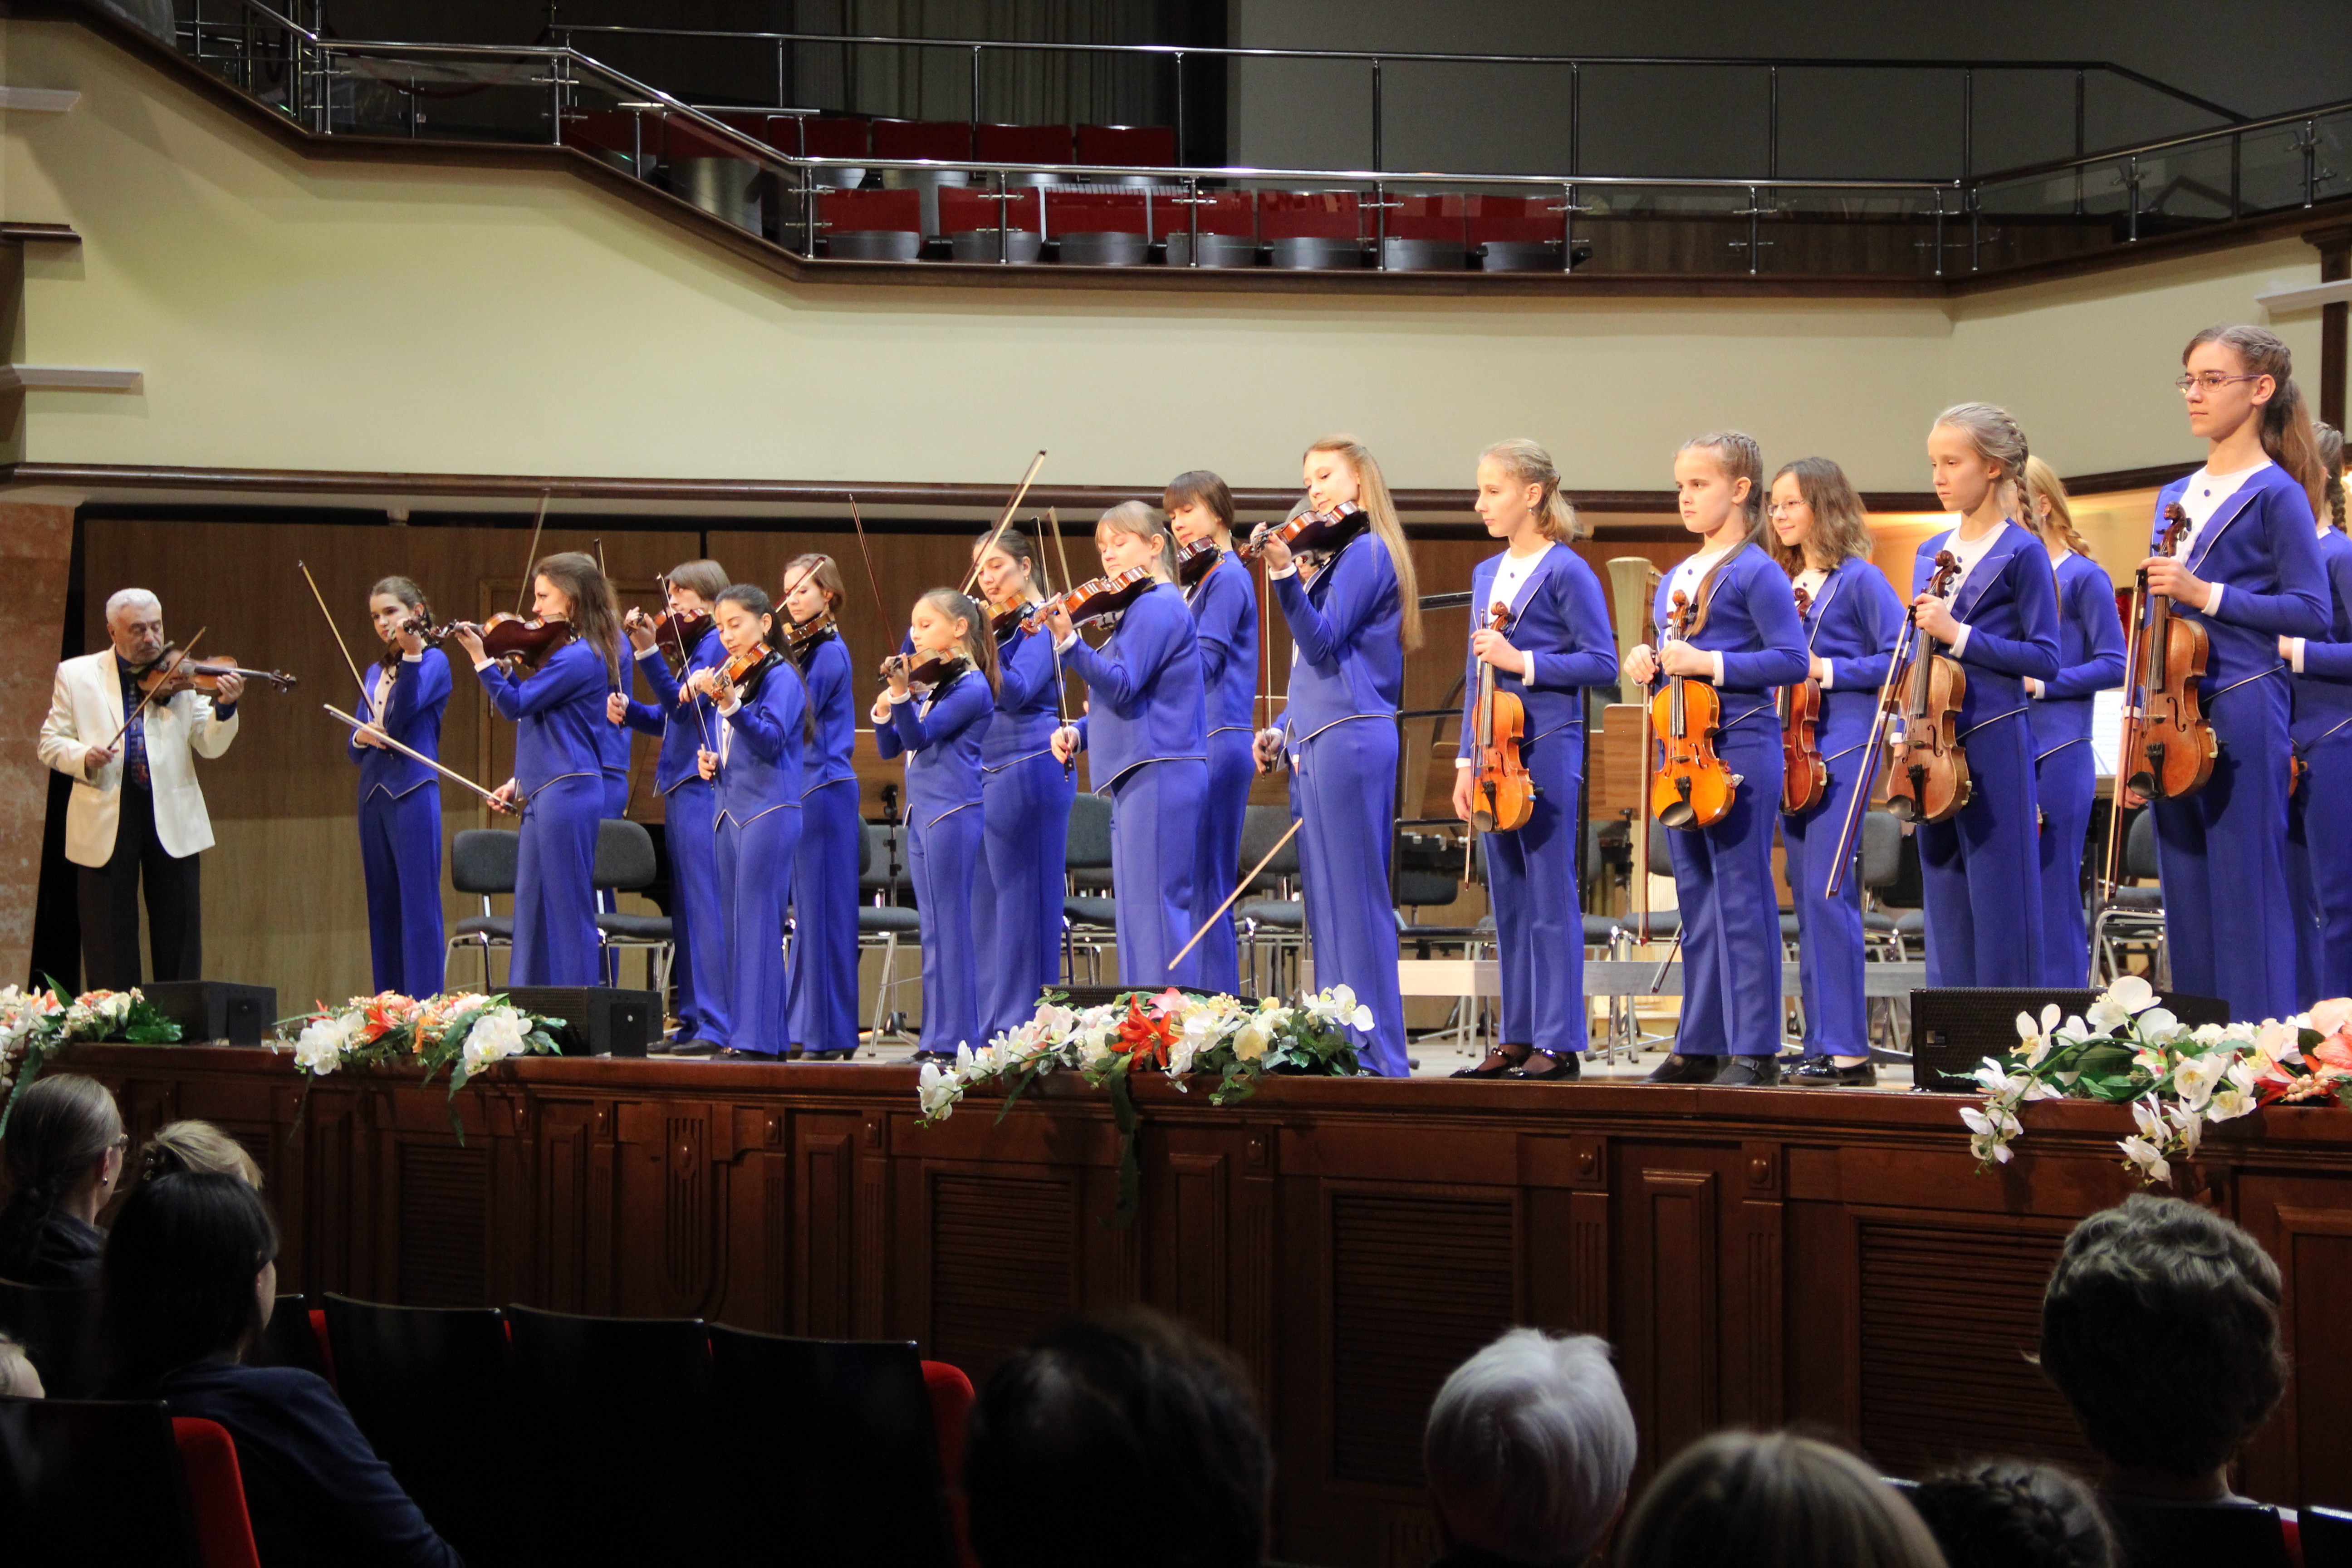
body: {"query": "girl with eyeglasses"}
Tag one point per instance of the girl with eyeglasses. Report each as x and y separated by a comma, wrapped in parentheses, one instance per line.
(2248, 571)
(1820, 537)
(1745, 639)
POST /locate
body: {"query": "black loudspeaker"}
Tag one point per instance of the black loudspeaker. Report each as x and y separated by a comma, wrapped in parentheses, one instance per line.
(1955, 1027)
(213, 1010)
(599, 1021)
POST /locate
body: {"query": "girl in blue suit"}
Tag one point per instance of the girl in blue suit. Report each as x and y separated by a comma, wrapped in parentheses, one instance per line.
(2319, 817)
(1225, 610)
(2250, 573)
(683, 720)
(939, 732)
(2066, 780)
(1822, 539)
(400, 798)
(755, 769)
(1746, 639)
(1145, 730)
(1026, 798)
(1350, 628)
(1981, 870)
(1556, 643)
(559, 711)
(821, 979)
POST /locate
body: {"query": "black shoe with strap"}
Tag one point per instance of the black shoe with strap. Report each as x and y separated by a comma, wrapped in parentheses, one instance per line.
(1680, 1068)
(1827, 1073)
(1542, 1067)
(1749, 1072)
(1499, 1063)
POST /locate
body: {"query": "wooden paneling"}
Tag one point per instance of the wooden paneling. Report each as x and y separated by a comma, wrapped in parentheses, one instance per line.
(36, 542)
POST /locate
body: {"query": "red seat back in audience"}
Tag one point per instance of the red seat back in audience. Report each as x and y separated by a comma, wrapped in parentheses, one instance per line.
(1308, 215)
(216, 1494)
(1221, 212)
(965, 211)
(1427, 217)
(829, 136)
(870, 212)
(1097, 212)
(1143, 146)
(1505, 219)
(1024, 144)
(947, 140)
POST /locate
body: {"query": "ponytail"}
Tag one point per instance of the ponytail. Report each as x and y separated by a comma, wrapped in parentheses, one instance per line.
(2330, 441)
(2287, 433)
(2041, 483)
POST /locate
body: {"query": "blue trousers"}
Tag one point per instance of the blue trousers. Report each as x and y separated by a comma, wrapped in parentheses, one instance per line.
(1730, 910)
(400, 853)
(940, 862)
(821, 981)
(556, 896)
(616, 804)
(1155, 825)
(1830, 945)
(696, 920)
(1018, 887)
(2228, 921)
(1232, 769)
(1345, 798)
(1981, 873)
(2064, 784)
(1531, 876)
(752, 889)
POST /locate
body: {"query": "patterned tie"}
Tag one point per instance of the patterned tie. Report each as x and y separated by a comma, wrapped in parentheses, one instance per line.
(135, 737)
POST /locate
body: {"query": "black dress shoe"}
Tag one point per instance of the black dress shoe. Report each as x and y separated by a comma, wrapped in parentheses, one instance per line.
(1749, 1072)
(732, 1055)
(1680, 1068)
(695, 1048)
(1497, 1065)
(1823, 1072)
(819, 1056)
(1542, 1067)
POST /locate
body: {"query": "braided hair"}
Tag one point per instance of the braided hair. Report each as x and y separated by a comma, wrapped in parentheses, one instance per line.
(2008, 1513)
(2331, 465)
(1998, 439)
(2042, 484)
(57, 1128)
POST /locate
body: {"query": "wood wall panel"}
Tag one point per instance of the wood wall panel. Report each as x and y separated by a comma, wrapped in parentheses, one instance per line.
(35, 552)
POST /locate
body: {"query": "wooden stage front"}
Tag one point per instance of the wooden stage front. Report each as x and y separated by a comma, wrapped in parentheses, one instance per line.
(1756, 1257)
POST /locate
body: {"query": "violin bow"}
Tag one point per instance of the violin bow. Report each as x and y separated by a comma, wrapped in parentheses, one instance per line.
(866, 553)
(1061, 683)
(1004, 521)
(523, 594)
(1296, 823)
(365, 695)
(179, 656)
(1874, 752)
(514, 808)
(2136, 658)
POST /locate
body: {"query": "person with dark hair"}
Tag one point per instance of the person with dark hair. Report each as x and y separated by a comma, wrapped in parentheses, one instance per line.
(2158, 1282)
(1745, 1499)
(404, 699)
(1162, 1424)
(64, 1152)
(821, 975)
(2008, 1513)
(1529, 1449)
(190, 1276)
(1223, 602)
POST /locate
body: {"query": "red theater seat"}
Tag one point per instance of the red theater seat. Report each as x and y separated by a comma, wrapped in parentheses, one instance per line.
(830, 136)
(1425, 234)
(1517, 233)
(969, 219)
(1024, 144)
(949, 141)
(1228, 226)
(950, 1393)
(216, 1494)
(1144, 146)
(1100, 228)
(872, 226)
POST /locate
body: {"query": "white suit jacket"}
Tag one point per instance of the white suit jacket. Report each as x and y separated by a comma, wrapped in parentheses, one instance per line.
(85, 709)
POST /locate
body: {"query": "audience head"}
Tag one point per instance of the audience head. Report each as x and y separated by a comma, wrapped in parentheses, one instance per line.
(2160, 1283)
(199, 1149)
(189, 1274)
(1160, 1423)
(17, 1378)
(64, 1149)
(2008, 1513)
(1529, 1447)
(1740, 1500)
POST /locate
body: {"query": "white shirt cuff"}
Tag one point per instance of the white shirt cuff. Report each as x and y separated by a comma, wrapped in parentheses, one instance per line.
(2294, 654)
(1529, 674)
(1289, 571)
(482, 664)
(411, 658)
(2213, 604)
(733, 705)
(1829, 673)
(1719, 667)
(895, 698)
(1063, 646)
(1959, 644)
(2033, 687)
(1462, 761)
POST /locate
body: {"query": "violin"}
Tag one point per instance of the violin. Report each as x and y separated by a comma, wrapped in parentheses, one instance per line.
(1503, 795)
(801, 637)
(1692, 788)
(1929, 780)
(1006, 618)
(1195, 562)
(524, 644)
(1311, 530)
(1804, 777)
(2168, 747)
(165, 680)
(928, 675)
(683, 630)
(1094, 599)
(743, 670)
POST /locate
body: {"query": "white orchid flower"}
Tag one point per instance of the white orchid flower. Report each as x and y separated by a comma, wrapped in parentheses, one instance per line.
(497, 1034)
(2207, 1035)
(2150, 1160)
(937, 1092)
(2150, 1118)
(2196, 1077)
(2189, 1128)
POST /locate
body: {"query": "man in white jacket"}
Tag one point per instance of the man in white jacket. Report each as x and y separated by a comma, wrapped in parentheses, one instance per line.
(136, 809)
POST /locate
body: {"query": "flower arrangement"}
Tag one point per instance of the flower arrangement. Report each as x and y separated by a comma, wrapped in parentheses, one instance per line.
(37, 1025)
(2179, 1081)
(462, 1031)
(1176, 1034)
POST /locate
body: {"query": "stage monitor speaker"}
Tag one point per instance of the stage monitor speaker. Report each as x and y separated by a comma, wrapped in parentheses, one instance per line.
(210, 1010)
(1083, 997)
(598, 1020)
(1955, 1027)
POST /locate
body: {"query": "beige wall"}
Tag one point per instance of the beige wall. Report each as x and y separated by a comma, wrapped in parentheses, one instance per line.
(311, 315)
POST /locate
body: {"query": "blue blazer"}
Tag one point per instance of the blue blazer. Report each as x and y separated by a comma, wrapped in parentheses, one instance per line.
(2010, 604)
(763, 748)
(2261, 546)
(1143, 688)
(2323, 692)
(1028, 700)
(682, 726)
(1561, 619)
(940, 738)
(1347, 629)
(412, 715)
(1751, 621)
(2090, 654)
(559, 715)
(832, 698)
(1852, 625)
(1224, 608)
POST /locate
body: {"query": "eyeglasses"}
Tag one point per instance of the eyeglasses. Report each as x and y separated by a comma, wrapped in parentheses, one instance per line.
(1780, 508)
(2210, 382)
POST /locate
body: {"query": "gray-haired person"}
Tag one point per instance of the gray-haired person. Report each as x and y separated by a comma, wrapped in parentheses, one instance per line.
(1529, 1448)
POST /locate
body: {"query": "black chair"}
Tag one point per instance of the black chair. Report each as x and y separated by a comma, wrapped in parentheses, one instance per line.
(830, 1450)
(56, 1326)
(482, 860)
(2134, 916)
(2326, 1538)
(1089, 920)
(95, 1483)
(626, 863)
(291, 1340)
(2197, 1535)
(615, 1415)
(417, 1381)
(1277, 922)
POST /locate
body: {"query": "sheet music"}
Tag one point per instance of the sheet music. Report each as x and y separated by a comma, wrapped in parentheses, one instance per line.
(2106, 731)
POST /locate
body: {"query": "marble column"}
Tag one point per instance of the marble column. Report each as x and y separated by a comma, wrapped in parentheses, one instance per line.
(36, 542)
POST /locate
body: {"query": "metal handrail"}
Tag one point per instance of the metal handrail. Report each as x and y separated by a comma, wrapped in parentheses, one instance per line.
(2147, 149)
